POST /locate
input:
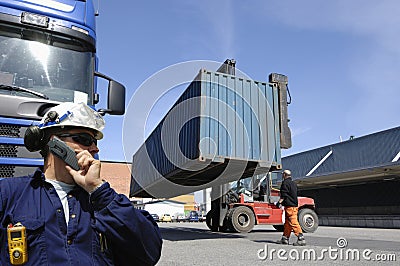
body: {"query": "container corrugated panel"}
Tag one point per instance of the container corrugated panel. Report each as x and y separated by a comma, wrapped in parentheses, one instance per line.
(221, 128)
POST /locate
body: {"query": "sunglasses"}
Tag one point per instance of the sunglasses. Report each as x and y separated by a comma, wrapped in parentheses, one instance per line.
(82, 138)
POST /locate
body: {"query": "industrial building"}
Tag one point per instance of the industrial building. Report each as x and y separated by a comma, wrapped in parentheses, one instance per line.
(161, 207)
(118, 174)
(354, 182)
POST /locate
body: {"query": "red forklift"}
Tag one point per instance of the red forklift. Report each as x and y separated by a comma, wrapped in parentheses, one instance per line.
(251, 201)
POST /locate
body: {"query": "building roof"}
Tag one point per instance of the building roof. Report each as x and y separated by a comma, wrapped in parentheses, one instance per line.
(373, 156)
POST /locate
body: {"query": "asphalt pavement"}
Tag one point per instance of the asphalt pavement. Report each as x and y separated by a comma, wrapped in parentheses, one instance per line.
(195, 244)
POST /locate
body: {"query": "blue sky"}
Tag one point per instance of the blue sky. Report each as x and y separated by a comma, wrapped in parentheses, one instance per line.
(341, 57)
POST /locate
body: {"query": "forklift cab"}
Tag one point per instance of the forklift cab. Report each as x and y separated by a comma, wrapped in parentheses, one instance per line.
(257, 188)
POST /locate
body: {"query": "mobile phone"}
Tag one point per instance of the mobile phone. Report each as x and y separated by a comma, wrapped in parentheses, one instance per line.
(60, 149)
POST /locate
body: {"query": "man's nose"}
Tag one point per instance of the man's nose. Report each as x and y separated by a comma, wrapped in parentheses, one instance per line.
(93, 149)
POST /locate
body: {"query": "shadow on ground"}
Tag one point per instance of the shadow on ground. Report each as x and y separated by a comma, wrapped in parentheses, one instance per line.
(177, 233)
(185, 233)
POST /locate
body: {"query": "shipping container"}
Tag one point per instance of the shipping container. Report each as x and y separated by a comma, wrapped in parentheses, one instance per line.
(222, 128)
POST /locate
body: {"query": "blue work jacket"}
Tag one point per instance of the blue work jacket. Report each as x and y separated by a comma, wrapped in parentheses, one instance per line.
(104, 228)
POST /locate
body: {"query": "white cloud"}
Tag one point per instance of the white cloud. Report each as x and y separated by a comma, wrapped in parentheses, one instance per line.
(372, 68)
(221, 18)
(297, 131)
(218, 25)
(378, 18)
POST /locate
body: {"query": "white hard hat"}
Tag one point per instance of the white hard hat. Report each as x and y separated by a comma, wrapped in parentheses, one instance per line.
(74, 115)
(287, 172)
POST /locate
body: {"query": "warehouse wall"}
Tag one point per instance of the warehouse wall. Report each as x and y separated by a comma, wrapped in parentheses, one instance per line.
(118, 174)
(373, 204)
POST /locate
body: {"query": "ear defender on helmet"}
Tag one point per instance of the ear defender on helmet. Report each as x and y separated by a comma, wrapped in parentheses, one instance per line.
(34, 138)
(62, 116)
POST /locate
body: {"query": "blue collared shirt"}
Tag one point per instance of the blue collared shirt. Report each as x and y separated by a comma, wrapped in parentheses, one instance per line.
(104, 228)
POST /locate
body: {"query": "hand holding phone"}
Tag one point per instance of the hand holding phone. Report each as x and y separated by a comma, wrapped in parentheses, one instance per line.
(60, 149)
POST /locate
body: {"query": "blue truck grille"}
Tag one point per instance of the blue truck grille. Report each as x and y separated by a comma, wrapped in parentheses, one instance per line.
(8, 151)
(6, 171)
(15, 159)
(10, 131)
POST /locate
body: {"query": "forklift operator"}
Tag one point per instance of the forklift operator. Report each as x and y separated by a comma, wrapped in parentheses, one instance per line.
(288, 199)
(62, 216)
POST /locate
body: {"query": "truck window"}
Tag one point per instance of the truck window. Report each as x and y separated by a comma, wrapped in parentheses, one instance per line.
(58, 67)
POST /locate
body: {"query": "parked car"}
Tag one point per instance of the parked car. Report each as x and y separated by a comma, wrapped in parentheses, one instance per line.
(181, 218)
(193, 216)
(155, 217)
(166, 218)
(202, 217)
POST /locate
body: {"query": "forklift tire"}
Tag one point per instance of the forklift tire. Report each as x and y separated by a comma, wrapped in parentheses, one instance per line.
(242, 219)
(308, 220)
(213, 227)
(227, 226)
(278, 227)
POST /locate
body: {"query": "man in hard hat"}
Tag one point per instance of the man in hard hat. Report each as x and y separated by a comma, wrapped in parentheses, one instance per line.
(73, 217)
(288, 198)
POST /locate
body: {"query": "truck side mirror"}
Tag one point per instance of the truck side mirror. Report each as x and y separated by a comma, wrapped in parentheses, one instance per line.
(116, 97)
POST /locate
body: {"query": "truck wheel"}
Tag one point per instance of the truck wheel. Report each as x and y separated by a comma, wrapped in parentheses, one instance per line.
(308, 220)
(243, 219)
(278, 227)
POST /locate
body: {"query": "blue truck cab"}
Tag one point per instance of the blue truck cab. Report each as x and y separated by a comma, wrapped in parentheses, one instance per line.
(47, 56)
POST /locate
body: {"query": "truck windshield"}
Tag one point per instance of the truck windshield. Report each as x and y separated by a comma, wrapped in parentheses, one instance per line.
(253, 183)
(242, 185)
(54, 67)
